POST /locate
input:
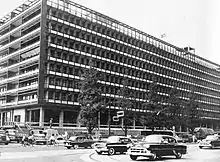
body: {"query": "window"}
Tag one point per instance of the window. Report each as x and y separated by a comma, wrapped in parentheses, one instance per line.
(17, 118)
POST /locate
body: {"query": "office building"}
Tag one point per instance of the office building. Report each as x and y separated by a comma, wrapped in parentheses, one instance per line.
(45, 43)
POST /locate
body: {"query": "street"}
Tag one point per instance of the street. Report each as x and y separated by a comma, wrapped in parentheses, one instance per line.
(42, 153)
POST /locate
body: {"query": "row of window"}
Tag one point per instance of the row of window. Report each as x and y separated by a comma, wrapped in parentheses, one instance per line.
(131, 61)
(119, 36)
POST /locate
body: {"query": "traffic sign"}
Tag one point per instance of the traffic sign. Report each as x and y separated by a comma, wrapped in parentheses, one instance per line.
(120, 114)
(115, 118)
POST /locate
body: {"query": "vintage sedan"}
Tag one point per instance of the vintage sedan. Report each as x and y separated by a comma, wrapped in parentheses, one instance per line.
(113, 144)
(210, 141)
(79, 141)
(39, 136)
(4, 139)
(13, 135)
(156, 146)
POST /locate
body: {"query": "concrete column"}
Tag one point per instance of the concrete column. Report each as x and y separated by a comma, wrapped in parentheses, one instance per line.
(180, 128)
(41, 118)
(30, 114)
(134, 123)
(1, 119)
(61, 118)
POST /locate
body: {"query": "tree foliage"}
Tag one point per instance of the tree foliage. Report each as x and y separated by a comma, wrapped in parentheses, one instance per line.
(192, 112)
(153, 106)
(89, 98)
(125, 104)
(174, 108)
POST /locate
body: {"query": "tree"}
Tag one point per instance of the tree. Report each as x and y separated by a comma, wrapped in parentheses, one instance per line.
(125, 104)
(192, 112)
(89, 98)
(174, 108)
(154, 117)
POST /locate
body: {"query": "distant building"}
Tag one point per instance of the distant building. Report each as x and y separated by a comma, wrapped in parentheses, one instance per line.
(45, 43)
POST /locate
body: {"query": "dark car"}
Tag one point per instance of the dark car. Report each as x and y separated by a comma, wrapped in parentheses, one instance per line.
(210, 141)
(3, 137)
(79, 141)
(156, 146)
(113, 144)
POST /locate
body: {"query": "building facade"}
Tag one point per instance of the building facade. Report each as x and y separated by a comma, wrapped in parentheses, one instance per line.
(44, 44)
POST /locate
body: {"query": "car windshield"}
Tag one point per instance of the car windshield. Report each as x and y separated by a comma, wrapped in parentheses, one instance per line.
(37, 132)
(152, 138)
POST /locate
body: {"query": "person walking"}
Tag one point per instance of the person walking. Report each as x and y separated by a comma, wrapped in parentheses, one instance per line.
(31, 140)
(23, 140)
(52, 140)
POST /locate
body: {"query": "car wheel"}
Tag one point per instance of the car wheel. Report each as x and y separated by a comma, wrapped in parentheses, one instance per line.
(111, 151)
(76, 146)
(200, 147)
(178, 155)
(68, 147)
(212, 147)
(133, 157)
(154, 156)
(159, 157)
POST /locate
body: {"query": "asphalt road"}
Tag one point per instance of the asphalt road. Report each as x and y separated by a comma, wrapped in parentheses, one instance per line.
(18, 153)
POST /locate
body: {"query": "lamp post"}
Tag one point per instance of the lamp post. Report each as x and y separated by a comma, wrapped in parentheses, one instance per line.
(109, 121)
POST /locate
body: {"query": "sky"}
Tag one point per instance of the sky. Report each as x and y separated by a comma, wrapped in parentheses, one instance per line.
(193, 23)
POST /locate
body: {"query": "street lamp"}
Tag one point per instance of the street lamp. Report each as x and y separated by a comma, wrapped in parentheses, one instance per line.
(109, 121)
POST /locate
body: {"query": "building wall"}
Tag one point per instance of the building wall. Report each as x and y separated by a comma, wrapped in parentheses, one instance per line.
(122, 52)
(57, 42)
(19, 60)
(19, 114)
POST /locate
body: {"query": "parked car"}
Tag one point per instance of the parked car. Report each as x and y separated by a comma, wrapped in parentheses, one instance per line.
(201, 132)
(13, 135)
(156, 146)
(60, 140)
(79, 141)
(210, 141)
(113, 144)
(48, 133)
(4, 139)
(186, 137)
(39, 136)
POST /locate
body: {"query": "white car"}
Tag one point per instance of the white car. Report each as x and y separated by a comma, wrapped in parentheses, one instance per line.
(210, 141)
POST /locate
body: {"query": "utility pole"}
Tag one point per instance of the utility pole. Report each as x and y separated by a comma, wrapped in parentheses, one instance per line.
(109, 121)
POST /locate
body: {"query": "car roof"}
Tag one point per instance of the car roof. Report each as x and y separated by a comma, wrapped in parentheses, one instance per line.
(119, 136)
(162, 135)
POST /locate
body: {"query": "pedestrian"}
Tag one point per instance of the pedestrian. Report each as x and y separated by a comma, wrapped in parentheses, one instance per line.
(31, 140)
(194, 138)
(52, 140)
(23, 140)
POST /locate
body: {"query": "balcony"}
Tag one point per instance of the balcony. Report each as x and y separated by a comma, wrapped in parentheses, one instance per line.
(27, 102)
(13, 52)
(35, 58)
(30, 35)
(25, 75)
(16, 31)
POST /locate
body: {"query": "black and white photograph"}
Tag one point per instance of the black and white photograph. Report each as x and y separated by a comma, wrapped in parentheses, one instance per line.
(109, 80)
